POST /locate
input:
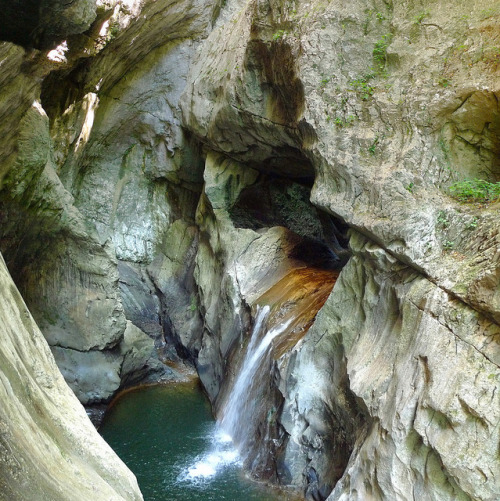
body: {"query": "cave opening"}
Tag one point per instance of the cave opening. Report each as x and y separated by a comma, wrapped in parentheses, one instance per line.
(313, 247)
(20, 20)
(278, 201)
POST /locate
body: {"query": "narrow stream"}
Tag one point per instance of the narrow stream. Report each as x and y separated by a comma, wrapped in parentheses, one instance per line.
(166, 435)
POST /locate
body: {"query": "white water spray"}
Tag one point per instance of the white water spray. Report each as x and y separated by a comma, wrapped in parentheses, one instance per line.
(220, 456)
(237, 412)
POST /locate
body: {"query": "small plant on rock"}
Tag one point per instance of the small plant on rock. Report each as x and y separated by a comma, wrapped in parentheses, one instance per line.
(380, 51)
(442, 219)
(362, 87)
(279, 34)
(444, 82)
(420, 17)
(344, 122)
(373, 147)
(472, 225)
(475, 190)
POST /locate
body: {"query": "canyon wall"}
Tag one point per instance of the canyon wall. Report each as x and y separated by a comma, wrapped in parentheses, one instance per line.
(49, 449)
(165, 163)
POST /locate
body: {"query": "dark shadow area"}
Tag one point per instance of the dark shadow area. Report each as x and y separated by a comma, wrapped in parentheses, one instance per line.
(470, 138)
(276, 201)
(274, 66)
(20, 19)
(43, 24)
(62, 88)
(288, 162)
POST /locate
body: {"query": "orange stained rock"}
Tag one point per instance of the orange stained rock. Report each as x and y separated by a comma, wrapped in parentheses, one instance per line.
(299, 295)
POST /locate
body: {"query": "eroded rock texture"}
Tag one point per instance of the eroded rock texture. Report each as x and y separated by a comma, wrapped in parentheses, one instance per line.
(389, 103)
(48, 447)
(95, 188)
(163, 164)
(420, 363)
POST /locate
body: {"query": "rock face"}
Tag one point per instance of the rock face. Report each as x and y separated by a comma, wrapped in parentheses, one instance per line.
(48, 447)
(163, 164)
(422, 365)
(95, 188)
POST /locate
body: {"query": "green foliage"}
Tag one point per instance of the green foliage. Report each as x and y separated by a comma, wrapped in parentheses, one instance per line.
(369, 16)
(361, 86)
(325, 81)
(343, 122)
(448, 245)
(487, 13)
(444, 82)
(475, 190)
(372, 149)
(279, 34)
(192, 306)
(410, 187)
(420, 17)
(442, 219)
(271, 415)
(489, 54)
(472, 225)
(380, 51)
(114, 29)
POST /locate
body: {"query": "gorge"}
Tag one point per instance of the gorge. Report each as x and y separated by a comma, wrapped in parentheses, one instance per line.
(168, 165)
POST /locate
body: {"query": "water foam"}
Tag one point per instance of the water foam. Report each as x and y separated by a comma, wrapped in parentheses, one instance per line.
(205, 467)
(223, 453)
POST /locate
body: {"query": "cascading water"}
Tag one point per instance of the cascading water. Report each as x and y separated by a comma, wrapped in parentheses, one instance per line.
(240, 405)
(247, 421)
(175, 448)
(233, 427)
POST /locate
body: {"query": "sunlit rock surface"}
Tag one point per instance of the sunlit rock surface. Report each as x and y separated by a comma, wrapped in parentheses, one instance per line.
(420, 365)
(390, 103)
(48, 447)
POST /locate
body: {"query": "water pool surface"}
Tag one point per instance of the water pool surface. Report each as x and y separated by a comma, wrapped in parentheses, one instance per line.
(167, 436)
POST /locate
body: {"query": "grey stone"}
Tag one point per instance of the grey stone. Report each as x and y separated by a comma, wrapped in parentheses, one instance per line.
(49, 449)
(94, 376)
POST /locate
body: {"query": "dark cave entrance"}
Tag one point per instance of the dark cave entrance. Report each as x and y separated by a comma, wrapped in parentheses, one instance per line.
(277, 201)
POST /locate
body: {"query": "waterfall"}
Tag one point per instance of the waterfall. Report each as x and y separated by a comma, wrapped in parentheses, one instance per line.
(236, 426)
(244, 395)
(247, 431)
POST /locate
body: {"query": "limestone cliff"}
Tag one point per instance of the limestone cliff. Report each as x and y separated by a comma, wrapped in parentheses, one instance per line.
(390, 103)
(164, 163)
(48, 447)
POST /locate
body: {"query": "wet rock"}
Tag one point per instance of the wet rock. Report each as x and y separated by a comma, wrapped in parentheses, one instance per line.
(140, 360)
(389, 128)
